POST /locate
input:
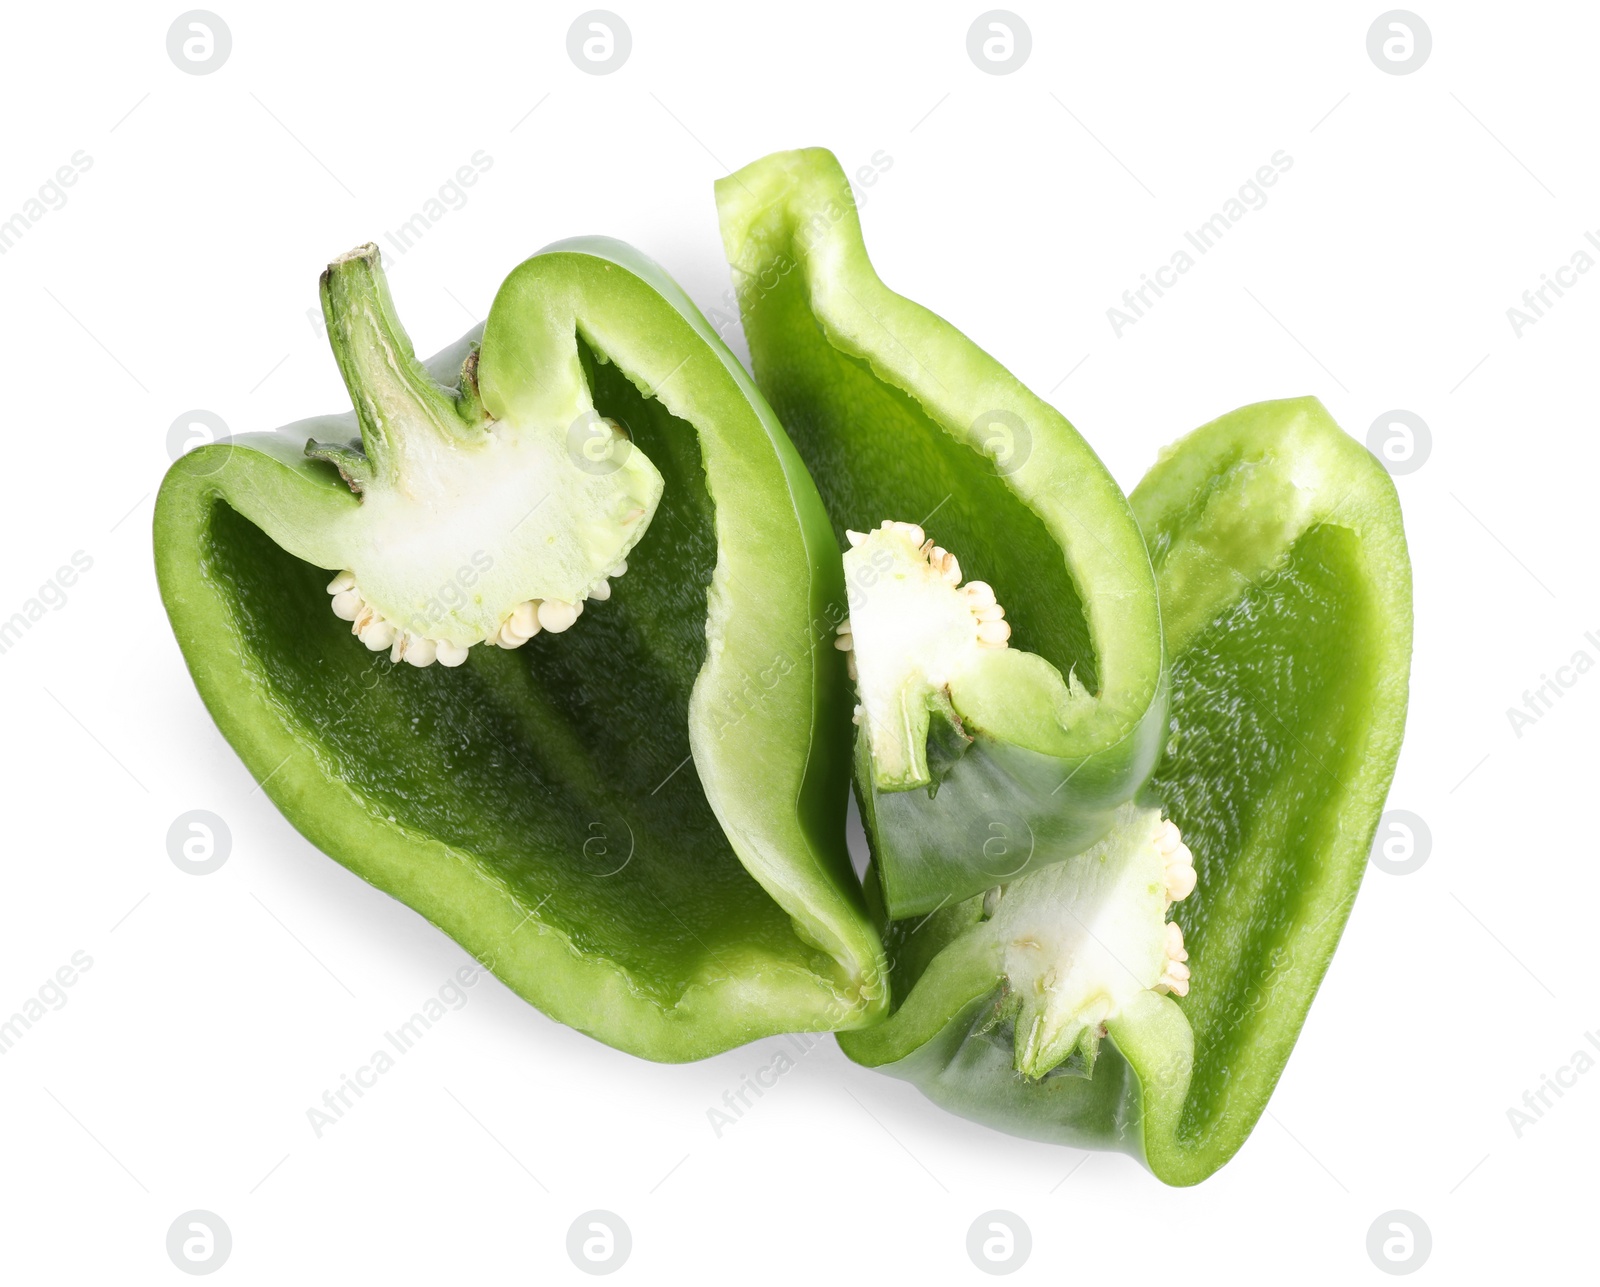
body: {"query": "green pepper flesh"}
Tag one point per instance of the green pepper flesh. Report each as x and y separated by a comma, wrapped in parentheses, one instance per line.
(900, 417)
(1282, 562)
(625, 822)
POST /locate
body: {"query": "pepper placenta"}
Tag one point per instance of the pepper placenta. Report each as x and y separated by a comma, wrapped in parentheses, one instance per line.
(1140, 982)
(604, 786)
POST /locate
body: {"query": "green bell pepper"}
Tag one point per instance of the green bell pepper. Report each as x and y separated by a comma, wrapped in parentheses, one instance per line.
(994, 741)
(610, 794)
(1060, 1003)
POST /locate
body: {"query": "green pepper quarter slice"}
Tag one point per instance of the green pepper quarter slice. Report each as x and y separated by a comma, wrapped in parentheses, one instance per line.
(994, 740)
(607, 787)
(1286, 590)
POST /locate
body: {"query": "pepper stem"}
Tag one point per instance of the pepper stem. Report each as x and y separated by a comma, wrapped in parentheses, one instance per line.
(394, 396)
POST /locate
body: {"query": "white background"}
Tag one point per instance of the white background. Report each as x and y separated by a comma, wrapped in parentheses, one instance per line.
(178, 275)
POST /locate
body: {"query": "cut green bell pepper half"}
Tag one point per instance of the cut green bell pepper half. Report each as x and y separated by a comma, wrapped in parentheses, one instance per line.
(1286, 591)
(611, 789)
(993, 740)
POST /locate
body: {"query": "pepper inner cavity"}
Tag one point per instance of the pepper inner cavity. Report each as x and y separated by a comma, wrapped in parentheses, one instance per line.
(1079, 938)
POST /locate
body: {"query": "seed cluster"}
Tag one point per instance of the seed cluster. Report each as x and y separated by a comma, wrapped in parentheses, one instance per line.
(1181, 877)
(527, 619)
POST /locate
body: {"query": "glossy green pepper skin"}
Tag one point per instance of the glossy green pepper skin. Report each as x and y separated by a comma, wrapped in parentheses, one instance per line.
(1286, 592)
(628, 822)
(900, 417)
